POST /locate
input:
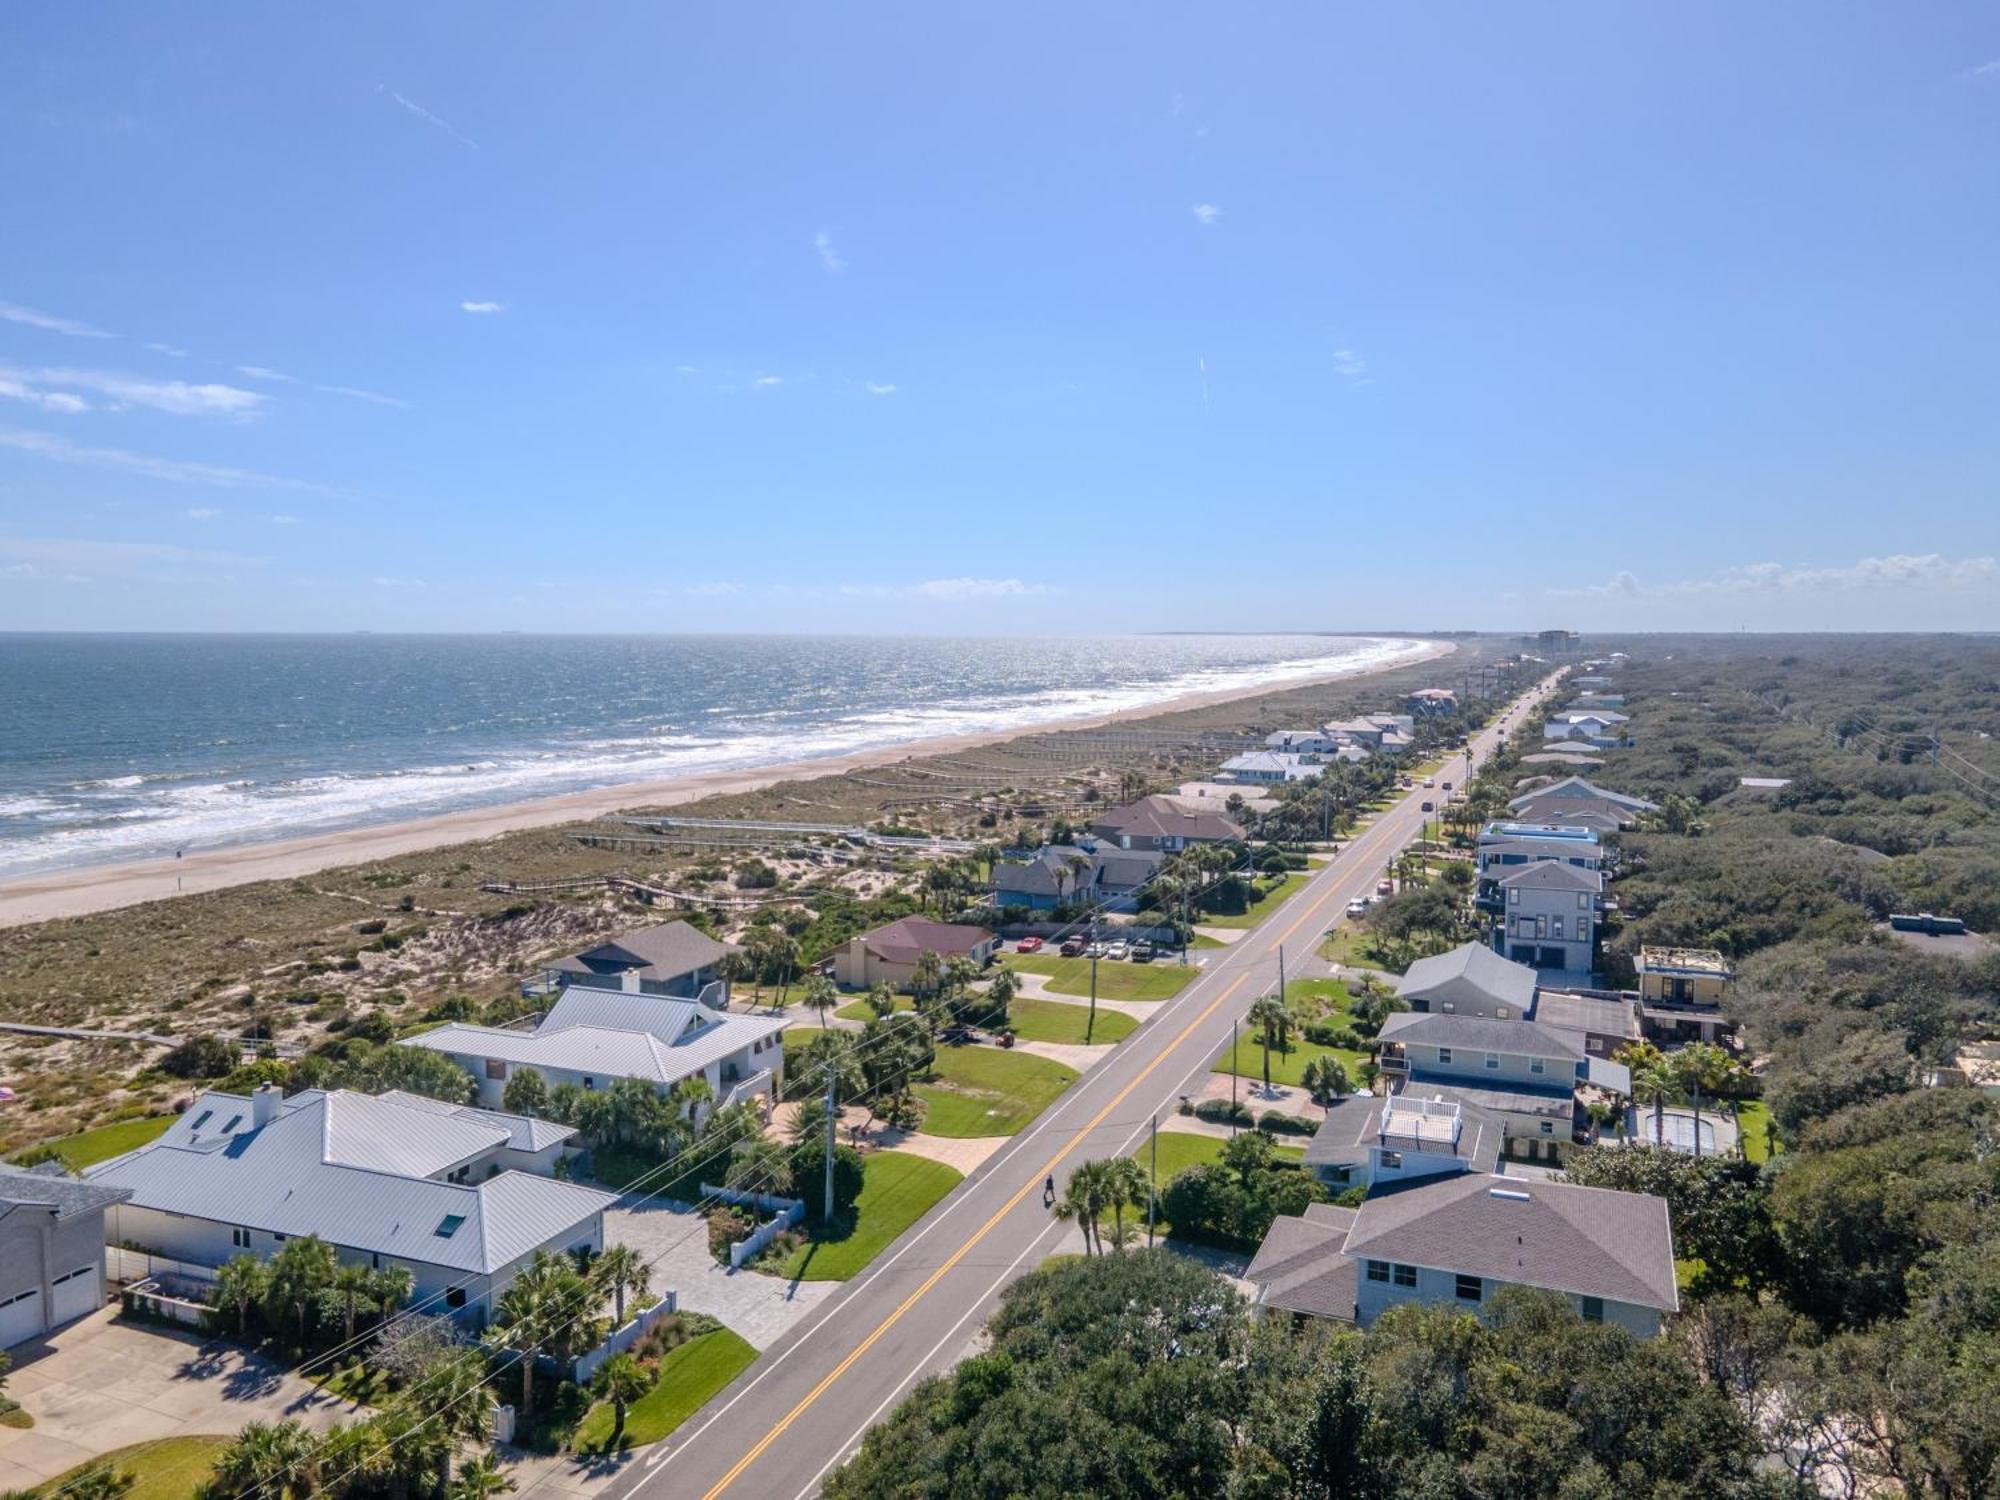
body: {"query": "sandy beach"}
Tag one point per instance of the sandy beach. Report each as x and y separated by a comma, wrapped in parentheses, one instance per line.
(93, 888)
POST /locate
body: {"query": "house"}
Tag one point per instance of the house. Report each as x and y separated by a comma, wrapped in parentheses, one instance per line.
(1547, 917)
(1461, 1239)
(1575, 803)
(1214, 796)
(1054, 875)
(1301, 741)
(1431, 703)
(889, 955)
(592, 1037)
(1122, 874)
(51, 1249)
(461, 1198)
(1602, 1024)
(1470, 980)
(671, 959)
(1506, 847)
(1680, 992)
(1271, 767)
(1354, 732)
(1592, 726)
(1371, 1139)
(1592, 699)
(1161, 825)
(1524, 1073)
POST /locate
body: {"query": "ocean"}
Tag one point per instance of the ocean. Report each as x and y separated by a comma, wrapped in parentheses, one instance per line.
(116, 748)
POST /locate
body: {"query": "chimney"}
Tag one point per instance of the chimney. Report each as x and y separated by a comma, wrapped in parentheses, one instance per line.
(629, 981)
(264, 1104)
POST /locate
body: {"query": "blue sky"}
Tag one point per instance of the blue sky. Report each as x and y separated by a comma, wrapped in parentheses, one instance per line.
(1035, 317)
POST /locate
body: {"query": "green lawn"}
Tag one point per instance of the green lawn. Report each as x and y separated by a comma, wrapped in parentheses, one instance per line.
(165, 1469)
(987, 1091)
(1753, 1122)
(1329, 998)
(1181, 1149)
(861, 1010)
(1247, 1060)
(798, 1036)
(1203, 940)
(1265, 904)
(897, 1190)
(1159, 980)
(107, 1141)
(689, 1376)
(1060, 1021)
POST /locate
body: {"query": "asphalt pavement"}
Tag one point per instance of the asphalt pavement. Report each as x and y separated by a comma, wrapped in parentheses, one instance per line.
(791, 1417)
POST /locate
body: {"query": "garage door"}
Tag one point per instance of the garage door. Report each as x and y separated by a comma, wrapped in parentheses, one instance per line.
(20, 1317)
(75, 1295)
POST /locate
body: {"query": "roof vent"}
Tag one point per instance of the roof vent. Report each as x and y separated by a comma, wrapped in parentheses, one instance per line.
(1516, 1195)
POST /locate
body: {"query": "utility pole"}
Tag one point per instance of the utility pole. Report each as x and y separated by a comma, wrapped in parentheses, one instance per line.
(1232, 1076)
(1281, 973)
(827, 1215)
(1153, 1184)
(1090, 1026)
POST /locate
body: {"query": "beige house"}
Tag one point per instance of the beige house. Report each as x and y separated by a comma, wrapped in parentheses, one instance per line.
(1682, 976)
(889, 955)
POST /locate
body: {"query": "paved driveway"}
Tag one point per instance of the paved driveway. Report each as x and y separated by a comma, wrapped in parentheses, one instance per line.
(761, 1308)
(101, 1384)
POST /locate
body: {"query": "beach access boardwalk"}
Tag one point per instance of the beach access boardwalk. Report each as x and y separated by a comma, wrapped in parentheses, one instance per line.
(796, 1413)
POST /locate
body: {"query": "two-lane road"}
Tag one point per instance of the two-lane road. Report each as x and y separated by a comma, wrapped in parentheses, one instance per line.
(800, 1409)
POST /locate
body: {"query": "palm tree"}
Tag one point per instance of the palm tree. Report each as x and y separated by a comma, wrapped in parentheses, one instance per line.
(1652, 1081)
(239, 1284)
(1083, 1201)
(1000, 995)
(524, 1317)
(1704, 1068)
(390, 1288)
(621, 1380)
(1326, 1080)
(480, 1478)
(453, 1400)
(1125, 1184)
(821, 993)
(927, 976)
(298, 1274)
(1272, 1014)
(882, 1000)
(266, 1460)
(352, 1281)
(101, 1483)
(622, 1269)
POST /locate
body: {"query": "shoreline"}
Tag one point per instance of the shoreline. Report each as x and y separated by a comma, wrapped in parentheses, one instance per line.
(97, 888)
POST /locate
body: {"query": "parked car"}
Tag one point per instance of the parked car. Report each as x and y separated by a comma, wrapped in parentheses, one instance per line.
(1385, 887)
(1072, 947)
(1142, 953)
(1094, 949)
(1431, 781)
(1427, 807)
(1358, 907)
(1029, 945)
(1118, 950)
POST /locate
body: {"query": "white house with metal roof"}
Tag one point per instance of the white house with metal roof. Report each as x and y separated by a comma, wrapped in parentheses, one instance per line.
(459, 1197)
(591, 1037)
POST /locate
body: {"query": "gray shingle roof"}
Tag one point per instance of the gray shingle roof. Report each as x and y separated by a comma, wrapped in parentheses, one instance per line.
(1555, 1102)
(1347, 1132)
(907, 939)
(661, 953)
(1590, 1242)
(1470, 973)
(57, 1191)
(1480, 1034)
(1553, 875)
(1586, 1013)
(1576, 789)
(1163, 817)
(1300, 1268)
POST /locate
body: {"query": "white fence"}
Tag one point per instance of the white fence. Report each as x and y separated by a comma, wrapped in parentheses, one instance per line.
(621, 1339)
(786, 1212)
(124, 1265)
(147, 1299)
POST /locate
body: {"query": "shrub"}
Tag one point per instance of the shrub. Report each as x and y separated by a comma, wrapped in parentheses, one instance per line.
(206, 1056)
(1277, 1122)
(809, 1177)
(725, 1227)
(1334, 1034)
(1223, 1112)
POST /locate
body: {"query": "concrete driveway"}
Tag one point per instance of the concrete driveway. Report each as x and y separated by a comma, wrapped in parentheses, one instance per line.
(761, 1308)
(100, 1384)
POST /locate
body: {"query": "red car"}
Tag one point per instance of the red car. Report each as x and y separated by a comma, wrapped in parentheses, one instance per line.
(1028, 945)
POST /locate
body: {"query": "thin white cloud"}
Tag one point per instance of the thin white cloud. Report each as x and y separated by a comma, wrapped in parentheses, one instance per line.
(481, 307)
(172, 470)
(1929, 572)
(265, 372)
(1350, 366)
(879, 387)
(178, 397)
(74, 560)
(828, 256)
(427, 117)
(768, 382)
(399, 583)
(720, 588)
(942, 590)
(13, 312)
(1206, 214)
(282, 520)
(169, 350)
(1987, 69)
(356, 393)
(204, 513)
(60, 402)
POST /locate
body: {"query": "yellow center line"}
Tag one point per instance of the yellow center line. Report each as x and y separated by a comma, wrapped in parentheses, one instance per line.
(1048, 1170)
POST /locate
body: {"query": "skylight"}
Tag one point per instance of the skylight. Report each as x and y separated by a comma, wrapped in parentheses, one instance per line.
(448, 1226)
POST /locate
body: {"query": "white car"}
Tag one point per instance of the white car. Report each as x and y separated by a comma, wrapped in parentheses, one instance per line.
(1358, 907)
(1120, 950)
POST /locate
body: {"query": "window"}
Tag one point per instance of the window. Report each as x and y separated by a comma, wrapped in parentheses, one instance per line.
(1493, 1060)
(1593, 1309)
(201, 1119)
(1406, 1275)
(240, 1238)
(1538, 1065)
(1548, 1127)
(1583, 929)
(455, 1297)
(448, 1226)
(1448, 1007)
(1378, 1270)
(1556, 928)
(231, 1123)
(1444, 1054)
(1392, 1161)
(495, 1068)
(277, 1239)
(1503, 1013)
(1513, 896)
(1469, 1288)
(1583, 900)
